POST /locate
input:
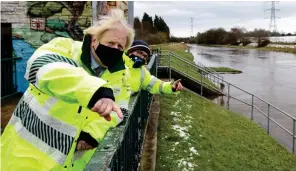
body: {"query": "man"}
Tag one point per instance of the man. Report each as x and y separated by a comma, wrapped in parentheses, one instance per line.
(66, 107)
(136, 57)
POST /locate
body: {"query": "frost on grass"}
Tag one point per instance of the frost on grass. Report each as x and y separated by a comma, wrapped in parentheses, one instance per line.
(185, 165)
(177, 102)
(176, 114)
(192, 149)
(182, 131)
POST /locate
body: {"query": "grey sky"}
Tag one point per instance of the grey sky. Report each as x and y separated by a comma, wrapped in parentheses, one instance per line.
(213, 14)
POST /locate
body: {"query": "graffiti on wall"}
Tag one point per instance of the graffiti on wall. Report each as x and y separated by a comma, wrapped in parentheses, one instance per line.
(104, 6)
(47, 20)
(62, 18)
(50, 19)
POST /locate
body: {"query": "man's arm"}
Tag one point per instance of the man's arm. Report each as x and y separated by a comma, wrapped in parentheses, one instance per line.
(153, 84)
(61, 77)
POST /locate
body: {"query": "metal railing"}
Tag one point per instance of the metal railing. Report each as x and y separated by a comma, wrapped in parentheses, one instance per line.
(121, 147)
(195, 72)
(272, 114)
(8, 77)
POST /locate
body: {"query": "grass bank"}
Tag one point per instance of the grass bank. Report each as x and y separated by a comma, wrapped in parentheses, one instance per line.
(225, 70)
(274, 49)
(195, 134)
(180, 49)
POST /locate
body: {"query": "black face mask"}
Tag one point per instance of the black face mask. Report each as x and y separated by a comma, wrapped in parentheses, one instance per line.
(138, 62)
(109, 56)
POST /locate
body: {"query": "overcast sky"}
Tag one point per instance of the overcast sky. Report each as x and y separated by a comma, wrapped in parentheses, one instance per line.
(213, 14)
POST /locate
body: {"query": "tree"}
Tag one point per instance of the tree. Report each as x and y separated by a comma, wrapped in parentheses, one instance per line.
(138, 28)
(137, 23)
(147, 24)
(240, 33)
(156, 22)
(163, 27)
(260, 34)
(152, 31)
(147, 18)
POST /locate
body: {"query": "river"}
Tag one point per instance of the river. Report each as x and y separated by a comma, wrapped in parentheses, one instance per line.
(268, 75)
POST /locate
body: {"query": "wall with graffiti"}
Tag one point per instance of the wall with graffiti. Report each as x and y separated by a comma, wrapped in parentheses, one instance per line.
(37, 22)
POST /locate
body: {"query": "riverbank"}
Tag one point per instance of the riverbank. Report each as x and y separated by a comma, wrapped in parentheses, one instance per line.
(195, 134)
(181, 50)
(273, 49)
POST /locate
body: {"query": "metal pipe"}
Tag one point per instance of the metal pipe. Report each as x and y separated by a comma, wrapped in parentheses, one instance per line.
(228, 92)
(268, 119)
(130, 5)
(240, 101)
(294, 135)
(261, 111)
(252, 114)
(201, 85)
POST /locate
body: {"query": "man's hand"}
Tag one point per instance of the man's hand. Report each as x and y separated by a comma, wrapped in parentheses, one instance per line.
(82, 145)
(105, 106)
(177, 86)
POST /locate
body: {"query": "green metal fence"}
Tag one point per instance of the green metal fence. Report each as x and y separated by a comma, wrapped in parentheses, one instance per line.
(8, 77)
(121, 148)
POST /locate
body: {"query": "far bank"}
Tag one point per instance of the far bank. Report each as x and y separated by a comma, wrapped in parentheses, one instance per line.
(280, 48)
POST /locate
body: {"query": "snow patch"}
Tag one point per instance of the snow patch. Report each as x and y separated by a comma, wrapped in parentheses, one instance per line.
(182, 131)
(192, 149)
(185, 165)
(177, 102)
(176, 114)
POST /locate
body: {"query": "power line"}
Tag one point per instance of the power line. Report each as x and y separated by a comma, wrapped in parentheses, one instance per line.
(272, 22)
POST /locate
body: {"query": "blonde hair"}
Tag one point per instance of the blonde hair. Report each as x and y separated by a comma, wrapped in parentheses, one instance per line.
(113, 20)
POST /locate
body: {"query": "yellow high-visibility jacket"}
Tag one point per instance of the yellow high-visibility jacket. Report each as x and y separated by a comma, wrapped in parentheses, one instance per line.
(43, 130)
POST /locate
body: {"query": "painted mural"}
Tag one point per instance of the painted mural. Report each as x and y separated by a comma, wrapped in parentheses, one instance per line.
(47, 21)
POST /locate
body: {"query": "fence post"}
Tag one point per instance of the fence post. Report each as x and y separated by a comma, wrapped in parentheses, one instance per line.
(169, 66)
(15, 74)
(201, 89)
(268, 118)
(228, 97)
(252, 112)
(156, 63)
(294, 135)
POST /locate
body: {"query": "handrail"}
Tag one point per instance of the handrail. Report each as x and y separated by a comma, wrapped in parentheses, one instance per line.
(10, 59)
(121, 147)
(212, 76)
(208, 85)
(195, 66)
(199, 65)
